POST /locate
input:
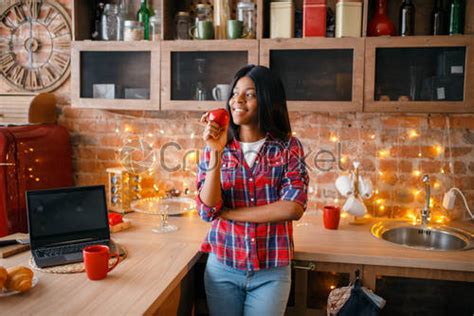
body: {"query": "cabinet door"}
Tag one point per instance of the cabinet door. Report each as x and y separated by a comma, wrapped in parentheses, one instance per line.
(318, 74)
(419, 74)
(193, 69)
(116, 75)
(312, 282)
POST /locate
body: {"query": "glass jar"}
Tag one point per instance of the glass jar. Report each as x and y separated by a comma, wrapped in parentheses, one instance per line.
(133, 31)
(155, 26)
(246, 14)
(182, 25)
(203, 13)
(112, 29)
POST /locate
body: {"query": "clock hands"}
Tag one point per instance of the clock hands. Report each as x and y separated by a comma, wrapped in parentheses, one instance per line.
(30, 44)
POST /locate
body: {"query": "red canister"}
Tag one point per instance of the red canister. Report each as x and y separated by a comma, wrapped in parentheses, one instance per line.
(314, 18)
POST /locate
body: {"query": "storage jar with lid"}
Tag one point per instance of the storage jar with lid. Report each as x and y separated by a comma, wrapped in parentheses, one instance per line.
(155, 26)
(314, 18)
(348, 18)
(112, 23)
(221, 15)
(133, 31)
(282, 19)
(246, 14)
(182, 25)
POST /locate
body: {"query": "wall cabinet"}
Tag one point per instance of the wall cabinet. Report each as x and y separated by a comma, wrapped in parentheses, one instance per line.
(115, 75)
(386, 74)
(192, 69)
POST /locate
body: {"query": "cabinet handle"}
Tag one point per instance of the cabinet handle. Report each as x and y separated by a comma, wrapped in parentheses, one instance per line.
(311, 267)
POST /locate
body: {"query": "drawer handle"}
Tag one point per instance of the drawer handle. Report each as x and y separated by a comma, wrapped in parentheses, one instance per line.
(311, 267)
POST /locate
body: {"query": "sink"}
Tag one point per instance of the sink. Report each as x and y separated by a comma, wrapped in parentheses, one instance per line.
(427, 237)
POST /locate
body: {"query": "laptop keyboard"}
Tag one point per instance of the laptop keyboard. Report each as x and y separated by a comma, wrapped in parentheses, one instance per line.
(67, 249)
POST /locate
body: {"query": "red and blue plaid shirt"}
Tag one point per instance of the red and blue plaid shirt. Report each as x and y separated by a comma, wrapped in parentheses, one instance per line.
(279, 173)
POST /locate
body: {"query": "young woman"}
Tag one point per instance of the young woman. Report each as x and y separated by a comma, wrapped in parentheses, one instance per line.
(252, 183)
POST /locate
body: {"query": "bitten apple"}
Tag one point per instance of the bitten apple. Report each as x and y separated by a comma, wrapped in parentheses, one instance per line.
(220, 116)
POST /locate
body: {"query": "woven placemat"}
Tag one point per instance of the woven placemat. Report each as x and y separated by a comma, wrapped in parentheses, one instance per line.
(76, 267)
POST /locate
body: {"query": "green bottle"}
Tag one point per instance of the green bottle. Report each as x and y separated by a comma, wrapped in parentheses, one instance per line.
(456, 17)
(143, 15)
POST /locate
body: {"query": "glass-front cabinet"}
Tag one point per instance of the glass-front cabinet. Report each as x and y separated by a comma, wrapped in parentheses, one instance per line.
(118, 75)
(197, 74)
(419, 74)
(318, 74)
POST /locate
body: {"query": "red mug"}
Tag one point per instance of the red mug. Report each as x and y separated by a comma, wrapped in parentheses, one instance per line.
(96, 261)
(331, 216)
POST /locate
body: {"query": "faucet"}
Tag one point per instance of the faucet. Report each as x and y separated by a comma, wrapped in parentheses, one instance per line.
(425, 212)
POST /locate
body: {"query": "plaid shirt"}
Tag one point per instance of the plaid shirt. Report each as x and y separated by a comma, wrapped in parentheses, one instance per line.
(279, 173)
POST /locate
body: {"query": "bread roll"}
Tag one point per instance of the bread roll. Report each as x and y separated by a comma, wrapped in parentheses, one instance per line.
(19, 279)
(3, 277)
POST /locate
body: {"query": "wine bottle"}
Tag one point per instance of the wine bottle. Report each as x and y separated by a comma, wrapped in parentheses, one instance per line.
(407, 18)
(96, 21)
(438, 19)
(456, 17)
(143, 15)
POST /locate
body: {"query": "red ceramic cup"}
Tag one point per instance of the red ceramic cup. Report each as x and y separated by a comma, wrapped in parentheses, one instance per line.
(96, 261)
(331, 216)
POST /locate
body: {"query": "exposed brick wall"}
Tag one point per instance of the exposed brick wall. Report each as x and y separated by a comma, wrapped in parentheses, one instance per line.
(388, 147)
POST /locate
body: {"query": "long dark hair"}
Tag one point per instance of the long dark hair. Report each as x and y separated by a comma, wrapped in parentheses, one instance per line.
(272, 111)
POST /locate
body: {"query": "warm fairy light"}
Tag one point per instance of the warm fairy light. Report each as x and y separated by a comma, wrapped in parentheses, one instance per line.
(381, 207)
(31, 149)
(344, 215)
(379, 201)
(411, 215)
(440, 219)
(192, 135)
(31, 176)
(419, 154)
(343, 159)
(383, 153)
(336, 201)
(372, 136)
(332, 287)
(436, 185)
(30, 169)
(380, 173)
(293, 133)
(333, 138)
(376, 191)
(413, 133)
(37, 179)
(156, 188)
(162, 131)
(441, 170)
(431, 202)
(127, 129)
(416, 173)
(150, 135)
(416, 192)
(438, 149)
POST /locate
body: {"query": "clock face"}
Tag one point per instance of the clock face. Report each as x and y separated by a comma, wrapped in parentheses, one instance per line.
(35, 38)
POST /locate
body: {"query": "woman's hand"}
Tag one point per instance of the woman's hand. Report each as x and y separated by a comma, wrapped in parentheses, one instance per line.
(214, 135)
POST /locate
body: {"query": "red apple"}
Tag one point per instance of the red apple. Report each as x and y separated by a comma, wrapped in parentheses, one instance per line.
(220, 116)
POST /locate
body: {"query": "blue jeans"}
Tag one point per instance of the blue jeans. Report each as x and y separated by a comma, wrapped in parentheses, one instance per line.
(251, 293)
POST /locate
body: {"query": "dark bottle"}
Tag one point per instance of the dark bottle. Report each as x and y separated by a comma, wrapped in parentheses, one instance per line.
(407, 18)
(456, 17)
(438, 19)
(97, 18)
(143, 15)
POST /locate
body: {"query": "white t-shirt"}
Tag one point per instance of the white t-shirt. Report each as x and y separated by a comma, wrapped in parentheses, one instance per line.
(251, 150)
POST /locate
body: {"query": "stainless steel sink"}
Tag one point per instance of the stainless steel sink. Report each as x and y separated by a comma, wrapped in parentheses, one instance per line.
(427, 237)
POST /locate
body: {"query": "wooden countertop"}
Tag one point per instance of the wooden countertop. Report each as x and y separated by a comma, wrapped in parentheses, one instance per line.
(156, 264)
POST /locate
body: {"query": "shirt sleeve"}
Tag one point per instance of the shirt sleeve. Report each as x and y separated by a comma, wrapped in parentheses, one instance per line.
(207, 213)
(294, 185)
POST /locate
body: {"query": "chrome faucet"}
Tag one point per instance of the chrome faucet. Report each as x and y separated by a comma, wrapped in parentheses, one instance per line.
(425, 212)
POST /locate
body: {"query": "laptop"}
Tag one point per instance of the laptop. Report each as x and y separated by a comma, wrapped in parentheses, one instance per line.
(63, 221)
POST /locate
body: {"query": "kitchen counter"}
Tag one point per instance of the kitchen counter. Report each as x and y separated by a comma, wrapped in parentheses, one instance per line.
(157, 263)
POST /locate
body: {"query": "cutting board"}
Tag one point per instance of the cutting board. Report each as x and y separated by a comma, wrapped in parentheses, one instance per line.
(9, 251)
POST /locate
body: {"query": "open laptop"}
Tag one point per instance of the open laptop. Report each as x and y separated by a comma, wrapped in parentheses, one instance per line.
(64, 221)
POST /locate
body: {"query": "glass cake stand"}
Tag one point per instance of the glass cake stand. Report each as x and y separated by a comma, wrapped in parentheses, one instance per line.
(164, 207)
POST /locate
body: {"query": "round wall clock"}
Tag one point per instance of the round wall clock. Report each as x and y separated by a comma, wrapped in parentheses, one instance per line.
(35, 41)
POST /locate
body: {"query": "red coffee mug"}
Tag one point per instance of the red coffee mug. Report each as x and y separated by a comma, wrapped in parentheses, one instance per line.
(331, 216)
(96, 261)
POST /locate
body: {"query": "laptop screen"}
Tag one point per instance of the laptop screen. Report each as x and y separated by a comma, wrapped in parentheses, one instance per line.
(60, 215)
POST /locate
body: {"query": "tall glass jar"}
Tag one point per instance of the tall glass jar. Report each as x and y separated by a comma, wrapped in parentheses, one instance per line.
(203, 13)
(246, 14)
(182, 25)
(221, 15)
(112, 23)
(155, 26)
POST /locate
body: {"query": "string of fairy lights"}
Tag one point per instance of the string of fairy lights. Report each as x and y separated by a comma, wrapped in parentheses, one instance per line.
(382, 203)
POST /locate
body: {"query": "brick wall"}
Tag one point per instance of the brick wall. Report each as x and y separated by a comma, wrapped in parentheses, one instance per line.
(394, 150)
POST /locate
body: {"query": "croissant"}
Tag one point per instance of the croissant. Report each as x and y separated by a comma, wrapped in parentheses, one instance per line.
(19, 279)
(3, 277)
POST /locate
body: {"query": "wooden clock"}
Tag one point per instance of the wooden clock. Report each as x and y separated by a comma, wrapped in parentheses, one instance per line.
(35, 41)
